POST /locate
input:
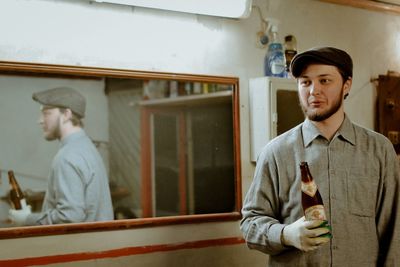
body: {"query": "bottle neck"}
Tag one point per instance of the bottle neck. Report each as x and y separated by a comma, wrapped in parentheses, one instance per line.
(275, 38)
(305, 174)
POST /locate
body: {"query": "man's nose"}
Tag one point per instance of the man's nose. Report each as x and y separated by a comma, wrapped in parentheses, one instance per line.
(315, 89)
(40, 120)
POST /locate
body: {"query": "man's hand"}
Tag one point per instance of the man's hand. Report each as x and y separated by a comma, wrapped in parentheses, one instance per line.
(305, 235)
(18, 217)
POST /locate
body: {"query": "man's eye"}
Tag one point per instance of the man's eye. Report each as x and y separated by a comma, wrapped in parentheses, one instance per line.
(323, 81)
(305, 83)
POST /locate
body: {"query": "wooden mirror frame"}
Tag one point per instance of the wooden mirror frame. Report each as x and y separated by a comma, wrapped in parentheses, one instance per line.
(65, 71)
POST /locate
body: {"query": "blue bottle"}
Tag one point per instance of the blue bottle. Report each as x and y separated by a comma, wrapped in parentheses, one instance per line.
(274, 61)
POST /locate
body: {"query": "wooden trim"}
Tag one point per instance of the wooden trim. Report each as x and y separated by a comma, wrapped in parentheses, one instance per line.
(146, 192)
(81, 71)
(368, 4)
(182, 148)
(28, 231)
(51, 70)
(236, 145)
(122, 252)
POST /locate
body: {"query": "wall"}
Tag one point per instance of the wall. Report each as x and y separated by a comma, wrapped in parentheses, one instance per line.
(91, 34)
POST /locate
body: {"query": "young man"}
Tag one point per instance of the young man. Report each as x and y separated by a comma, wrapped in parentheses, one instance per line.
(78, 189)
(355, 169)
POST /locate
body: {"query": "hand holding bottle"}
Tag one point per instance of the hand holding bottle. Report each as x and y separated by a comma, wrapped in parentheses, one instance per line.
(305, 235)
(18, 217)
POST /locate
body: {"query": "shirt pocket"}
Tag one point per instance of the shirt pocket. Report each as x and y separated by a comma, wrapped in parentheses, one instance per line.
(362, 189)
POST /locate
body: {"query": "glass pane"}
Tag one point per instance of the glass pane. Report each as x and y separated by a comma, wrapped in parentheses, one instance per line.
(289, 110)
(212, 135)
(167, 145)
(166, 165)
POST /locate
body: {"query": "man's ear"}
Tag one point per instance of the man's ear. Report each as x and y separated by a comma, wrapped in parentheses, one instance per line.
(67, 114)
(347, 87)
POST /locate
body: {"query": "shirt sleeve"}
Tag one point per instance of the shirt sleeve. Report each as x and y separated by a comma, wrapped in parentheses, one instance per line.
(388, 215)
(260, 225)
(68, 189)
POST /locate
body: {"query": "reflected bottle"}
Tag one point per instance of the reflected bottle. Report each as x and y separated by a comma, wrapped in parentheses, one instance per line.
(16, 196)
(274, 60)
(290, 51)
(310, 197)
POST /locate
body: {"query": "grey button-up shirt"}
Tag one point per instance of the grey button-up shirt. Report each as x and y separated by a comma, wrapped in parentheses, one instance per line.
(78, 189)
(357, 174)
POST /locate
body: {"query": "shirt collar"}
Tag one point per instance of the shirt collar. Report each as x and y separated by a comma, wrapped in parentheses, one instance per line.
(70, 138)
(345, 131)
(310, 132)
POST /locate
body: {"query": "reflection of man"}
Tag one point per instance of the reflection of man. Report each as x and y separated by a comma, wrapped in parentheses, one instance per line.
(78, 189)
(355, 168)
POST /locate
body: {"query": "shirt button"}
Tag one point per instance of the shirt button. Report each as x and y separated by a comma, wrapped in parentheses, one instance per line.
(335, 247)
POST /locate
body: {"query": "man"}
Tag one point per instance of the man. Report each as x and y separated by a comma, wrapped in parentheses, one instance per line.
(78, 189)
(355, 169)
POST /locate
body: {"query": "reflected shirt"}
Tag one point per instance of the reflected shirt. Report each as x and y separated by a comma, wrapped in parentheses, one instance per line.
(78, 189)
(357, 174)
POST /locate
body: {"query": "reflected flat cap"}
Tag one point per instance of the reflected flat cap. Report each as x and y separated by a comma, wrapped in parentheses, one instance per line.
(323, 55)
(62, 97)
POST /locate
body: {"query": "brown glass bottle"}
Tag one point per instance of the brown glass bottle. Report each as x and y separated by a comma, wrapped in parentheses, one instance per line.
(16, 196)
(290, 50)
(310, 197)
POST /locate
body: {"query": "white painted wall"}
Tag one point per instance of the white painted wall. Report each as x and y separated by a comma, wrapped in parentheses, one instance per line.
(91, 34)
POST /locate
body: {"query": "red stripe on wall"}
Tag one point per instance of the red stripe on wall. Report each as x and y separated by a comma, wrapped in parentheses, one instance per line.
(128, 251)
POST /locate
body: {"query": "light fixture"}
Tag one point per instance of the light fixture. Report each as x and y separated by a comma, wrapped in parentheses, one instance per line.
(220, 8)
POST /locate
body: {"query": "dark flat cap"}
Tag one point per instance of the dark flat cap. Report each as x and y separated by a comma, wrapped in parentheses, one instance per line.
(62, 97)
(323, 55)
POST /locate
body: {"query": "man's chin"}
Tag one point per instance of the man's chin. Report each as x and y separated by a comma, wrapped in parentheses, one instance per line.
(49, 138)
(317, 116)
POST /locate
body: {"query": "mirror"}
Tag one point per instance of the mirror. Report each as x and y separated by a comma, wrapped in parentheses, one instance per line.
(170, 143)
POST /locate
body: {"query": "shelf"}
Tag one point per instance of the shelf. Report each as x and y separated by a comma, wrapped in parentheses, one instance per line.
(210, 98)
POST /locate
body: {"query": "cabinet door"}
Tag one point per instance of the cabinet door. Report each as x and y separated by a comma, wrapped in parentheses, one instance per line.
(388, 119)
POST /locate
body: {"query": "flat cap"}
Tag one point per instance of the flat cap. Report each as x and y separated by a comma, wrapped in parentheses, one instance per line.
(323, 55)
(62, 97)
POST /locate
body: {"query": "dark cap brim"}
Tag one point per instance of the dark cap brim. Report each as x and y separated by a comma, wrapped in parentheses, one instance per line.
(325, 55)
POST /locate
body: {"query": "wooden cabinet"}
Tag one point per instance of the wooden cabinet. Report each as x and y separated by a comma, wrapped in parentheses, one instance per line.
(388, 108)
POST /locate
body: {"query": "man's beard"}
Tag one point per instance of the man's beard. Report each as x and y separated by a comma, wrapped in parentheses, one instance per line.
(54, 133)
(315, 116)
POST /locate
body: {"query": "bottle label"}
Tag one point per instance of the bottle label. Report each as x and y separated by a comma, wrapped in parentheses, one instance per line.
(309, 188)
(316, 212)
(277, 63)
(277, 67)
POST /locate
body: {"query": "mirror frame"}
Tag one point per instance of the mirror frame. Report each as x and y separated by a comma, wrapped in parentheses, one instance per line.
(81, 72)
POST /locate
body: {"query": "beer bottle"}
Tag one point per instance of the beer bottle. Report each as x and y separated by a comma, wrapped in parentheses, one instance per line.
(16, 196)
(290, 50)
(311, 199)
